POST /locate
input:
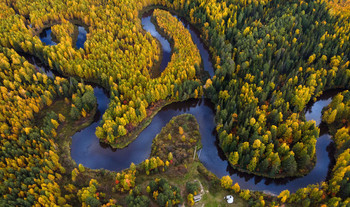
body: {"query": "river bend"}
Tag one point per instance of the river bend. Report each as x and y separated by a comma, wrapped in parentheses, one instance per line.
(87, 150)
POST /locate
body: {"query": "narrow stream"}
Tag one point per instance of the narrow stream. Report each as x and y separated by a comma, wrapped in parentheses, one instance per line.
(87, 150)
(39, 67)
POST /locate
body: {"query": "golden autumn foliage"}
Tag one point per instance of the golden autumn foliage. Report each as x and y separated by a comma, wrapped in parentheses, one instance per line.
(29, 148)
(271, 59)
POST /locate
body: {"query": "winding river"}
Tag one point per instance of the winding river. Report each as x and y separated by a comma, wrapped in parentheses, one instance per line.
(87, 150)
(149, 27)
(47, 37)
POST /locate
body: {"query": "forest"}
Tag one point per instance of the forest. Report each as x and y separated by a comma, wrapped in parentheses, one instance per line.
(271, 58)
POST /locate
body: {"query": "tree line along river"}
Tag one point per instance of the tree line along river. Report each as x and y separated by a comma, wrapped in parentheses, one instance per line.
(87, 150)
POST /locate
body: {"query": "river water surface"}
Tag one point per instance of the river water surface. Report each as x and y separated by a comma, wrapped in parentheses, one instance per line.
(47, 37)
(87, 150)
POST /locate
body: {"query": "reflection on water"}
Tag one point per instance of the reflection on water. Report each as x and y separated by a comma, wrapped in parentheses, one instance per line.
(46, 37)
(39, 66)
(81, 37)
(313, 111)
(149, 27)
(87, 150)
(203, 50)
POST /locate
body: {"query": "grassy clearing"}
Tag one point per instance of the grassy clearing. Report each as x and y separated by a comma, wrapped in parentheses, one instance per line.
(213, 196)
(217, 200)
(187, 169)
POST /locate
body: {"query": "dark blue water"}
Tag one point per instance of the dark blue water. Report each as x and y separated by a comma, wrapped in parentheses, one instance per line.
(87, 150)
(149, 27)
(203, 50)
(46, 37)
(81, 37)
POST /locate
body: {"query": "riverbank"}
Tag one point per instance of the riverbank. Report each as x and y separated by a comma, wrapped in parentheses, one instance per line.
(137, 152)
(63, 142)
(194, 58)
(204, 71)
(177, 175)
(323, 156)
(267, 175)
(154, 72)
(46, 25)
(66, 130)
(152, 110)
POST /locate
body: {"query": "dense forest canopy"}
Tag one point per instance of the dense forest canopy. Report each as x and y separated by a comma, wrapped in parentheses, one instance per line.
(271, 58)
